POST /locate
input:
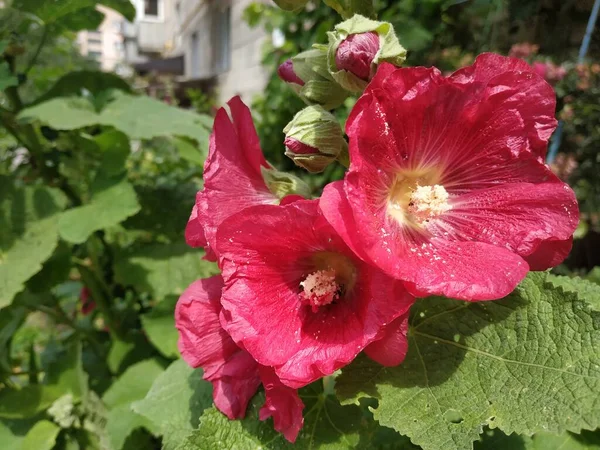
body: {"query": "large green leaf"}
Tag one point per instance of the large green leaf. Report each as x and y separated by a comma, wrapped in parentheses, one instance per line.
(327, 425)
(113, 200)
(28, 233)
(159, 325)
(12, 433)
(53, 11)
(75, 83)
(175, 402)
(133, 385)
(42, 436)
(162, 269)
(586, 290)
(165, 209)
(29, 401)
(115, 151)
(496, 440)
(139, 117)
(525, 364)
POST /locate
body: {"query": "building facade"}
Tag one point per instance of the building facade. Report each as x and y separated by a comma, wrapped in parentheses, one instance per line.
(106, 44)
(201, 42)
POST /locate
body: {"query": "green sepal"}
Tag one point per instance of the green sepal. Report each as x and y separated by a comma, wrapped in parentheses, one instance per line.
(282, 183)
(319, 86)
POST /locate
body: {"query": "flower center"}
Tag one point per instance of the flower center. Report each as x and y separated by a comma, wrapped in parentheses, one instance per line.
(427, 202)
(415, 197)
(320, 288)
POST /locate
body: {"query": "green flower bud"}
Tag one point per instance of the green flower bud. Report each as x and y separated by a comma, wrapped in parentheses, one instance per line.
(308, 75)
(357, 46)
(314, 139)
(282, 184)
(291, 5)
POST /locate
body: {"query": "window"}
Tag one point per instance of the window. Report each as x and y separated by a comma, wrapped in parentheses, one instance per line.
(151, 8)
(94, 55)
(195, 55)
(94, 41)
(222, 35)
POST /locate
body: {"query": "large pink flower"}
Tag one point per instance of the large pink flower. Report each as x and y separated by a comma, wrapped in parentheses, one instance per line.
(234, 374)
(233, 176)
(296, 297)
(446, 189)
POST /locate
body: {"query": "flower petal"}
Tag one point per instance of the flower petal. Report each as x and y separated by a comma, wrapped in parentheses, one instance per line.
(519, 87)
(282, 403)
(232, 171)
(266, 253)
(203, 343)
(391, 349)
(549, 254)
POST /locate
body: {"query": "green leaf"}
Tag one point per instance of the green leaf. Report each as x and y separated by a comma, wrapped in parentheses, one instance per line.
(12, 433)
(162, 269)
(189, 151)
(585, 290)
(27, 402)
(496, 440)
(327, 425)
(115, 151)
(175, 402)
(42, 436)
(11, 319)
(525, 364)
(129, 350)
(133, 385)
(121, 424)
(77, 82)
(67, 374)
(165, 209)
(63, 113)
(54, 271)
(6, 78)
(139, 117)
(159, 325)
(113, 200)
(52, 11)
(28, 233)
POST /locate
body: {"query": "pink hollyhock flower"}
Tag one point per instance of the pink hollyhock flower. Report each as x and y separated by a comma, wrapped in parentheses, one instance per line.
(234, 374)
(296, 297)
(233, 176)
(446, 189)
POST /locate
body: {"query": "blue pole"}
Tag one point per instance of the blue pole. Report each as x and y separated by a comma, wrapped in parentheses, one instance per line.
(585, 45)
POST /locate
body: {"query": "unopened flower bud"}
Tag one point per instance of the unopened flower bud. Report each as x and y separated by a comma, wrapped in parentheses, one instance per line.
(308, 75)
(291, 5)
(287, 74)
(314, 139)
(357, 46)
(356, 53)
